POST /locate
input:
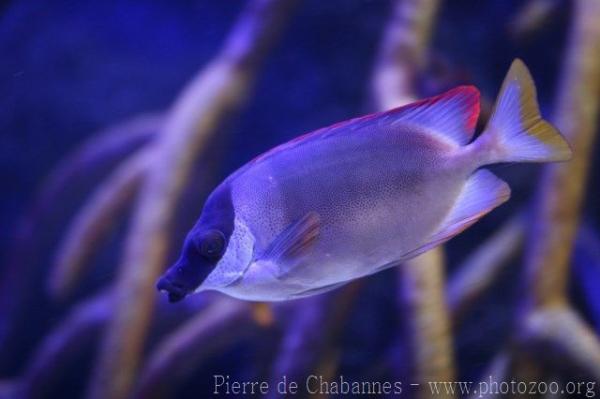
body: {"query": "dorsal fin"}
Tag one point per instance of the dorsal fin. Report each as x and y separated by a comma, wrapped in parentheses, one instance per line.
(452, 114)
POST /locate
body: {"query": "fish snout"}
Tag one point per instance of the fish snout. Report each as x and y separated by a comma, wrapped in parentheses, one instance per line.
(176, 291)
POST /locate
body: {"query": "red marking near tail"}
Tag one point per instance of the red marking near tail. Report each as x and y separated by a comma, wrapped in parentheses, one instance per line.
(468, 95)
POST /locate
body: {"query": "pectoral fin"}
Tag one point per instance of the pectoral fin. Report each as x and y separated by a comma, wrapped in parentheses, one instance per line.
(292, 243)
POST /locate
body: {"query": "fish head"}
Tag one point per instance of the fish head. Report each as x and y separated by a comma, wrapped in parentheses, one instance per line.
(215, 253)
(201, 253)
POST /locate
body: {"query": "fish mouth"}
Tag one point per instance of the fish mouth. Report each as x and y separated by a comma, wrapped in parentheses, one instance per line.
(175, 291)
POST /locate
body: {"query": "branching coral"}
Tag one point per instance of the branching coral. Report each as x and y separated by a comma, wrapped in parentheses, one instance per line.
(217, 91)
(548, 324)
(483, 266)
(309, 341)
(421, 295)
(226, 320)
(560, 197)
(97, 217)
(80, 330)
(153, 160)
(73, 176)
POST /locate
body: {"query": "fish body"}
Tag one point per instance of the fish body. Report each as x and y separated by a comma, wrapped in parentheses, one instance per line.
(360, 196)
(366, 187)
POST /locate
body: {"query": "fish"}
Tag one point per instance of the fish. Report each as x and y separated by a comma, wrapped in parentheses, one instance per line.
(360, 196)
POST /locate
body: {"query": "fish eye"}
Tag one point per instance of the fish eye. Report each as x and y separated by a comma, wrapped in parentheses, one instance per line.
(211, 245)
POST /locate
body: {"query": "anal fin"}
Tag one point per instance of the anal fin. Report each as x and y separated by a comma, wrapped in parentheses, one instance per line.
(482, 192)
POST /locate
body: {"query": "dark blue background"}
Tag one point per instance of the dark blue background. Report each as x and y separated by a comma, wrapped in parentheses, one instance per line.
(71, 68)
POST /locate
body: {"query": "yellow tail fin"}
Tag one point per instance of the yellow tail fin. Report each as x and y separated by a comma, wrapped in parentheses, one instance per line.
(516, 131)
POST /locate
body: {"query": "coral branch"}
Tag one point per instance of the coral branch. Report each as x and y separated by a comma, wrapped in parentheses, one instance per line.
(402, 56)
(225, 321)
(403, 52)
(9, 389)
(534, 15)
(219, 89)
(71, 176)
(101, 150)
(587, 270)
(99, 214)
(483, 265)
(499, 370)
(563, 339)
(547, 321)
(79, 330)
(561, 190)
(422, 300)
(311, 335)
(302, 340)
(547, 318)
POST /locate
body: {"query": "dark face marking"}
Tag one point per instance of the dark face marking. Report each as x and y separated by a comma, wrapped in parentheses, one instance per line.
(203, 248)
